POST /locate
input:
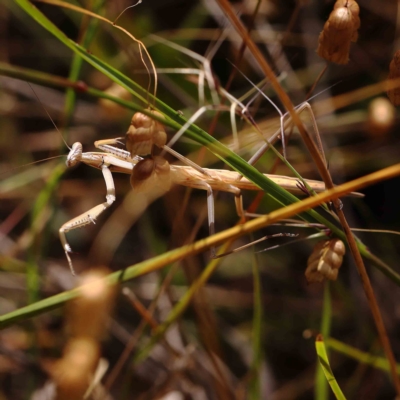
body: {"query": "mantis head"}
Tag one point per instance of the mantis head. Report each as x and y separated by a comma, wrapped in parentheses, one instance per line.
(75, 155)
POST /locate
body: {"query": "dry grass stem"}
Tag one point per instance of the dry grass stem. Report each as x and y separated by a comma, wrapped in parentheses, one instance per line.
(394, 73)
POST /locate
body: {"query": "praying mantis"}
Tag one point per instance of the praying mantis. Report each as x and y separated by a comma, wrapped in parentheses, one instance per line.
(154, 171)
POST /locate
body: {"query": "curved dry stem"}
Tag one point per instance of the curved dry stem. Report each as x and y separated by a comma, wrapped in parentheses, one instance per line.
(205, 61)
(101, 18)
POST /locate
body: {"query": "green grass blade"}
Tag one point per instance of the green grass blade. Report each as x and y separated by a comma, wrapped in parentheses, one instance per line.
(321, 385)
(125, 275)
(76, 65)
(45, 79)
(41, 78)
(360, 356)
(324, 362)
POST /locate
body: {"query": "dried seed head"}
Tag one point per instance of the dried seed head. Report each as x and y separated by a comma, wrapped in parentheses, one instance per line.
(143, 133)
(353, 7)
(151, 174)
(89, 312)
(325, 261)
(339, 31)
(381, 115)
(73, 372)
(394, 73)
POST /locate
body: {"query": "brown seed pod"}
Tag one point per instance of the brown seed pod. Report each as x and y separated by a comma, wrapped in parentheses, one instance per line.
(151, 174)
(339, 31)
(394, 73)
(143, 133)
(325, 261)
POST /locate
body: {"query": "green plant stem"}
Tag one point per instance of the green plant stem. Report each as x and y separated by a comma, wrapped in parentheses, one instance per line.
(361, 356)
(321, 386)
(324, 362)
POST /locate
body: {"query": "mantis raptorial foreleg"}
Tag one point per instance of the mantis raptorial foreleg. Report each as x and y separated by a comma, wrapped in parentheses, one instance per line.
(89, 216)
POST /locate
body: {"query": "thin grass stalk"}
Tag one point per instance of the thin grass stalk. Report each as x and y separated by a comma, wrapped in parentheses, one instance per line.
(89, 13)
(240, 28)
(360, 356)
(86, 37)
(320, 164)
(41, 78)
(45, 79)
(371, 299)
(368, 289)
(357, 95)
